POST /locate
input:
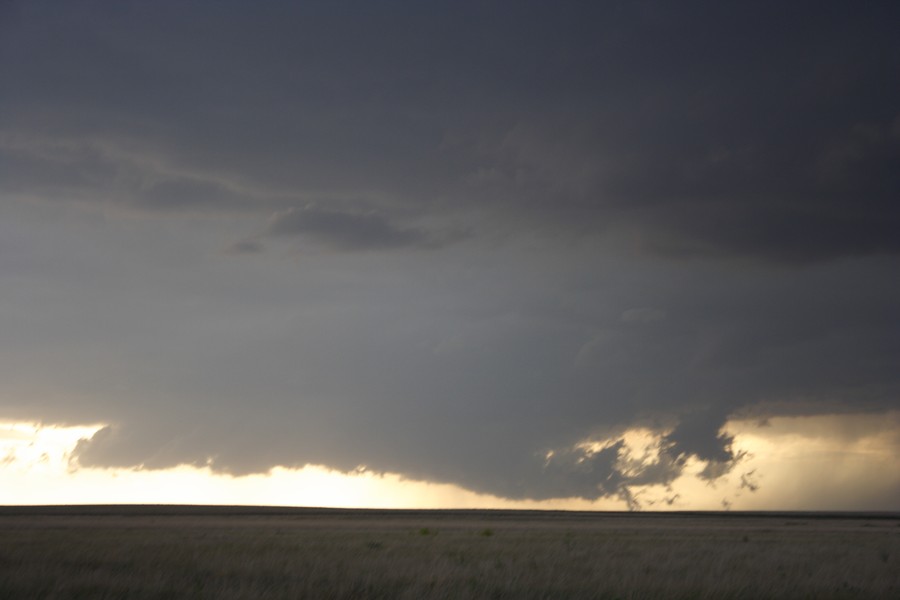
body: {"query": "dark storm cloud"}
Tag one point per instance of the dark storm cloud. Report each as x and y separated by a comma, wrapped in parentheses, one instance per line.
(438, 392)
(758, 130)
(673, 213)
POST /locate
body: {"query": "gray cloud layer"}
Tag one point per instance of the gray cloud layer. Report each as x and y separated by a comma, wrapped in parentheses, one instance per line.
(672, 213)
(761, 131)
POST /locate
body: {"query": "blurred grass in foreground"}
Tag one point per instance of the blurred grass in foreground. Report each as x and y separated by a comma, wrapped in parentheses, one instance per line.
(320, 554)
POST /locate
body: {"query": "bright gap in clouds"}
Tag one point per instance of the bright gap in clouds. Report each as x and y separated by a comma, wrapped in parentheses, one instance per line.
(825, 462)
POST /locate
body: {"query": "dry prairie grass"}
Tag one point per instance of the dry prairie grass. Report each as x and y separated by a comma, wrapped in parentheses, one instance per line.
(320, 554)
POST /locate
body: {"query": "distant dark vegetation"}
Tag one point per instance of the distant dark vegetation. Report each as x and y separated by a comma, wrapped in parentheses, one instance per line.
(248, 552)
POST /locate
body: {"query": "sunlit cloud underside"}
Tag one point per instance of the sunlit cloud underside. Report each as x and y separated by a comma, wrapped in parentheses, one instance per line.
(830, 462)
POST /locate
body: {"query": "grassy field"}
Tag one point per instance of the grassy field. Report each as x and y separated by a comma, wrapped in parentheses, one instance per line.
(225, 553)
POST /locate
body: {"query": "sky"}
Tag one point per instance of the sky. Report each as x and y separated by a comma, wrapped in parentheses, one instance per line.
(594, 255)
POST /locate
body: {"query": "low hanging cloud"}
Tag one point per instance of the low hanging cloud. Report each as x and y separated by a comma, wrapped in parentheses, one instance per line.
(455, 366)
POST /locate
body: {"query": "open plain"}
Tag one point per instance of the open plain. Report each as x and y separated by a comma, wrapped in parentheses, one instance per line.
(154, 552)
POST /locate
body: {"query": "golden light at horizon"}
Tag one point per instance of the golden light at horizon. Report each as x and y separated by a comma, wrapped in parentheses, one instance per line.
(816, 463)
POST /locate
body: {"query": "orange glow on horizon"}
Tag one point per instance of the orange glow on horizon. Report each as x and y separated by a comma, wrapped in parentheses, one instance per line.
(846, 462)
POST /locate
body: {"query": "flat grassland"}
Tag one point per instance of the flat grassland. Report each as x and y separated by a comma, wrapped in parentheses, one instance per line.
(243, 552)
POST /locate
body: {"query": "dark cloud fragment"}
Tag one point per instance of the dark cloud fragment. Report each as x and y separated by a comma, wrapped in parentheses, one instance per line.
(698, 434)
(345, 230)
(245, 247)
(748, 481)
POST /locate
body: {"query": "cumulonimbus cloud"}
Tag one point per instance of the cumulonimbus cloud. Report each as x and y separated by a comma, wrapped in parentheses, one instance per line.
(672, 213)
